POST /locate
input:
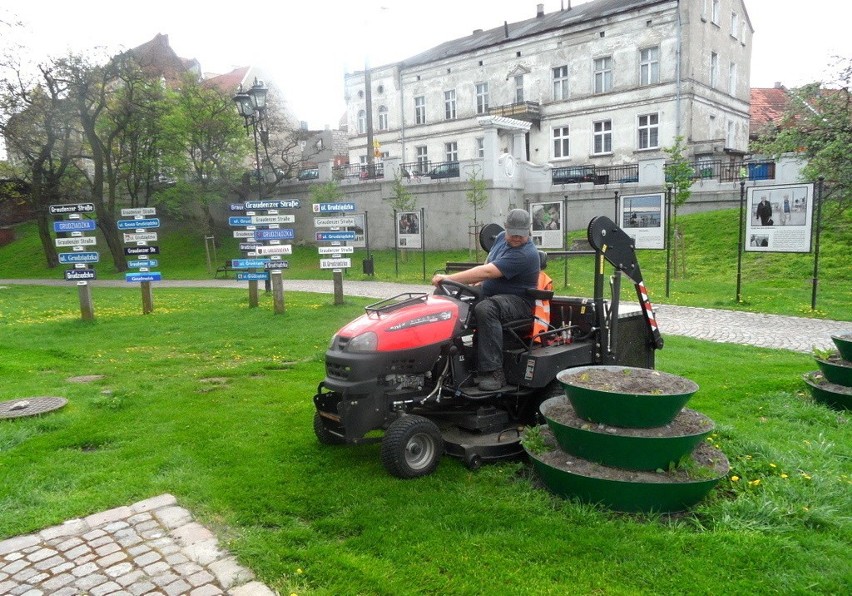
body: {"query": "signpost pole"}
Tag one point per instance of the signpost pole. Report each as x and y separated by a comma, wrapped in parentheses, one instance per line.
(338, 287)
(739, 296)
(815, 279)
(147, 297)
(277, 292)
(87, 309)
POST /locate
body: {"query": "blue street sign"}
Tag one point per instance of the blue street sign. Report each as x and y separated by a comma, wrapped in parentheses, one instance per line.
(75, 225)
(333, 207)
(252, 276)
(138, 224)
(79, 274)
(282, 204)
(331, 236)
(248, 263)
(239, 221)
(79, 257)
(145, 263)
(148, 276)
(275, 234)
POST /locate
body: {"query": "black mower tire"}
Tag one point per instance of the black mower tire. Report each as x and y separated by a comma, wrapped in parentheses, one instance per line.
(323, 435)
(412, 447)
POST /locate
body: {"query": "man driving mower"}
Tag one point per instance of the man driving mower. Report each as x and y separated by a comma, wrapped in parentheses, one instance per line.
(511, 268)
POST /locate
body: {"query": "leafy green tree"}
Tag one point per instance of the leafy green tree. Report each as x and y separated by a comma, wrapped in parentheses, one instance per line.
(680, 175)
(817, 126)
(477, 198)
(326, 192)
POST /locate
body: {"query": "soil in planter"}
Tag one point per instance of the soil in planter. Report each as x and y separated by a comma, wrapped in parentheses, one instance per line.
(686, 423)
(707, 462)
(635, 380)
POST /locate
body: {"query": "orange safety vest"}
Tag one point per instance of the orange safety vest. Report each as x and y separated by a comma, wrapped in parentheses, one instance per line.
(541, 322)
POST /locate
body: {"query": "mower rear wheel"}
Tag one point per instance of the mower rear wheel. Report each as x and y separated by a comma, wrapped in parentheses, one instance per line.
(412, 447)
(325, 436)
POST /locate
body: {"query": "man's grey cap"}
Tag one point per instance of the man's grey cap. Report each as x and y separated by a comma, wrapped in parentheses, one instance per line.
(518, 223)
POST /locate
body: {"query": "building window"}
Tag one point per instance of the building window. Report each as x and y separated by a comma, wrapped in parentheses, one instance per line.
(482, 98)
(519, 89)
(714, 69)
(729, 137)
(362, 122)
(603, 75)
(649, 131)
(450, 104)
(561, 146)
(422, 159)
(734, 25)
(603, 136)
(716, 10)
(383, 118)
(480, 147)
(732, 79)
(420, 110)
(451, 151)
(560, 83)
(649, 66)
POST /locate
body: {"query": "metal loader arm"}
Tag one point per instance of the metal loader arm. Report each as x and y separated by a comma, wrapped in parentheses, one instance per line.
(614, 245)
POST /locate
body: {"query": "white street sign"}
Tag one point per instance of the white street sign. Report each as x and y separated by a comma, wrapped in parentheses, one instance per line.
(139, 211)
(336, 250)
(77, 241)
(140, 237)
(333, 222)
(335, 263)
(282, 249)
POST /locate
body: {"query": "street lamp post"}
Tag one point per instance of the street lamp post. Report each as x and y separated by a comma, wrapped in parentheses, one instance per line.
(251, 105)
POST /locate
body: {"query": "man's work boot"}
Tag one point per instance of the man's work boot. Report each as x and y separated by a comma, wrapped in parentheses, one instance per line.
(492, 381)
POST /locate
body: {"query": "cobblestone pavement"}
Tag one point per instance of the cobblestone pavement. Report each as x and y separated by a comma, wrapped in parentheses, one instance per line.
(153, 547)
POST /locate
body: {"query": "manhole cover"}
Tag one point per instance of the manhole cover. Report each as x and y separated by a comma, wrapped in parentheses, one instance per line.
(30, 406)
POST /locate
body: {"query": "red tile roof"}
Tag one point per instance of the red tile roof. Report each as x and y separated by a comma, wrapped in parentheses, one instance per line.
(767, 108)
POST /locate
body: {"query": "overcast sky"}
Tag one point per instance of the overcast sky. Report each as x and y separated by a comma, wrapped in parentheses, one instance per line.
(307, 47)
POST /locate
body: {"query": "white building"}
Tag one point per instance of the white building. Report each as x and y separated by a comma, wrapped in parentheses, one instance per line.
(604, 84)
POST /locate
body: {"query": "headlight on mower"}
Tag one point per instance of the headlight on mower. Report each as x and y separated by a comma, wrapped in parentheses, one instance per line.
(366, 342)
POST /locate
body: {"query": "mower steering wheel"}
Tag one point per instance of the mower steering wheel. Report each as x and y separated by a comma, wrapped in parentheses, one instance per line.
(459, 291)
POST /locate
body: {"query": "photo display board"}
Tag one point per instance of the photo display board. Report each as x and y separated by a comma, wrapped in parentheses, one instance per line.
(547, 224)
(642, 217)
(779, 218)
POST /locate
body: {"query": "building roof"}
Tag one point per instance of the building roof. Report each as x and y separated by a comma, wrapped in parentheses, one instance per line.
(157, 58)
(229, 82)
(767, 108)
(536, 25)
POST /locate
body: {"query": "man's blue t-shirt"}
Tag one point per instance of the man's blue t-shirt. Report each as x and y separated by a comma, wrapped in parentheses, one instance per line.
(519, 266)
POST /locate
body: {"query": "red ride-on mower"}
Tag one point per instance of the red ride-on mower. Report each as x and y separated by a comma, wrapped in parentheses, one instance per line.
(406, 366)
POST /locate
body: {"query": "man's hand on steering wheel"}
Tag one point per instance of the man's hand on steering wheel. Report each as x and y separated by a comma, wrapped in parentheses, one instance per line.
(457, 290)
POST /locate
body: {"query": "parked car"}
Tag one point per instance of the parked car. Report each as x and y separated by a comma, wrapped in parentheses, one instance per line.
(309, 174)
(445, 170)
(573, 174)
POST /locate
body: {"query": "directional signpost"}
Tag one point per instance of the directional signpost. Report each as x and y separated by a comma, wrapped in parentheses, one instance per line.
(136, 233)
(262, 245)
(333, 223)
(80, 258)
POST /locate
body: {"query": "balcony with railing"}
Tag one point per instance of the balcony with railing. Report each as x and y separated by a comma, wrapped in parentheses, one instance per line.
(529, 111)
(597, 175)
(731, 171)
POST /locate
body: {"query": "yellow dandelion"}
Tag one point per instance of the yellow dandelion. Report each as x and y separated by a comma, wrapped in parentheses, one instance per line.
(783, 475)
(805, 476)
(754, 482)
(735, 478)
(772, 466)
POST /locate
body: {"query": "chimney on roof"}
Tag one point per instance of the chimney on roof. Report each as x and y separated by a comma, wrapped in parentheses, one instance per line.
(476, 31)
(539, 11)
(506, 28)
(778, 85)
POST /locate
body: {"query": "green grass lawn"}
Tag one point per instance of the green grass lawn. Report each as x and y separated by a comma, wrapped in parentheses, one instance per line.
(211, 401)
(780, 283)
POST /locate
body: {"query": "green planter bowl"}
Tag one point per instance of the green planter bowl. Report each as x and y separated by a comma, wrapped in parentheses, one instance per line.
(827, 393)
(635, 397)
(836, 371)
(633, 449)
(843, 341)
(628, 491)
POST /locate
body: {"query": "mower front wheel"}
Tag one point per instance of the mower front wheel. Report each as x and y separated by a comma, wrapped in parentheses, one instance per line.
(412, 447)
